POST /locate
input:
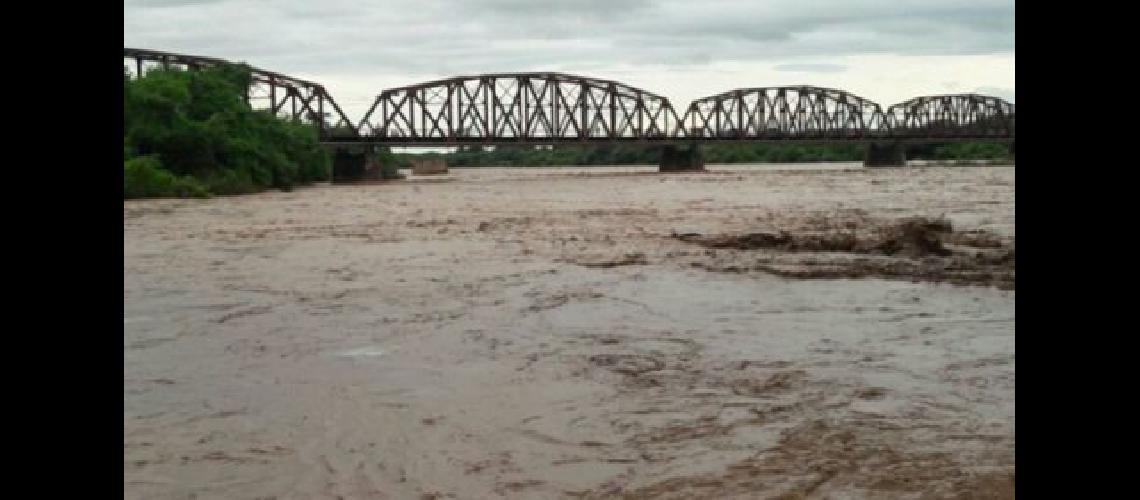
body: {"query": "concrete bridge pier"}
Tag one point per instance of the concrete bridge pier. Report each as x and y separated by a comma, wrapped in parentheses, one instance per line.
(885, 155)
(675, 159)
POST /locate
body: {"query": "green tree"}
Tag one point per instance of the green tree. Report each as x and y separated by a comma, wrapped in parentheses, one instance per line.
(196, 125)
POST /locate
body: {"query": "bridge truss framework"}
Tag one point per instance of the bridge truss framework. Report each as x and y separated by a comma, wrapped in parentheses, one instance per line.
(558, 108)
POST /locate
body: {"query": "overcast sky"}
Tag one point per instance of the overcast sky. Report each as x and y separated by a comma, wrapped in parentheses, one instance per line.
(885, 50)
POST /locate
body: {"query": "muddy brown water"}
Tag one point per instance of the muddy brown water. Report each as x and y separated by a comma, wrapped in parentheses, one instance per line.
(543, 333)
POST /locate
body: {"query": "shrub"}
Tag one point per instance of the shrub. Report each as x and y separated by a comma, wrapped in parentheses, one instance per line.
(144, 177)
(390, 164)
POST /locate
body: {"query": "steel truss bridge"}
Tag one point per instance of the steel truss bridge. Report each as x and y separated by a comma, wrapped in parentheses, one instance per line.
(546, 108)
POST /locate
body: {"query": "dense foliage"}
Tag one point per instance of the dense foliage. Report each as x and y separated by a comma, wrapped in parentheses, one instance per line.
(475, 156)
(191, 133)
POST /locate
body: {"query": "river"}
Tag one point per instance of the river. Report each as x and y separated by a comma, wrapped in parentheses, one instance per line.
(574, 333)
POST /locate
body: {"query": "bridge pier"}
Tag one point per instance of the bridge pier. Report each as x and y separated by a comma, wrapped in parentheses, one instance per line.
(674, 159)
(885, 155)
(359, 163)
(348, 164)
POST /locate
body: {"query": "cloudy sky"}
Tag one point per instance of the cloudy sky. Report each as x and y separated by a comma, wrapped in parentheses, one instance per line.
(884, 50)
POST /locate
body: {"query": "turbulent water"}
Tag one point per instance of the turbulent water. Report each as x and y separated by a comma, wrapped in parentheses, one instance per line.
(576, 333)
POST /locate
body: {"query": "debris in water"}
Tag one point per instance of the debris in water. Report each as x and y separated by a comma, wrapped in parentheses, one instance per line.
(630, 259)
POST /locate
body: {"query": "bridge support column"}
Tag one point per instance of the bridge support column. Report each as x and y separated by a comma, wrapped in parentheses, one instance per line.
(362, 163)
(349, 164)
(675, 159)
(885, 155)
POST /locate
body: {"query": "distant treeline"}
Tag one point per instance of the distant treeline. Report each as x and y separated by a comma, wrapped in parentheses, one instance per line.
(477, 156)
(191, 133)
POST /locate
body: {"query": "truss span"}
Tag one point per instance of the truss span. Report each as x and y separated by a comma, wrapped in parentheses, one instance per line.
(518, 107)
(952, 116)
(800, 112)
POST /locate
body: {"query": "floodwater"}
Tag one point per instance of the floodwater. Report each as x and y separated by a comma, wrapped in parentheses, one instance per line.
(574, 333)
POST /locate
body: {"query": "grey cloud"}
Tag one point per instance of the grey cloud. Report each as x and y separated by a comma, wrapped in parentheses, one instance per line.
(168, 3)
(438, 38)
(722, 28)
(812, 68)
(528, 8)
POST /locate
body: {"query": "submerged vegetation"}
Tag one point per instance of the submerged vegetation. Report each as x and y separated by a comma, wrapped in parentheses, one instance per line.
(191, 133)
